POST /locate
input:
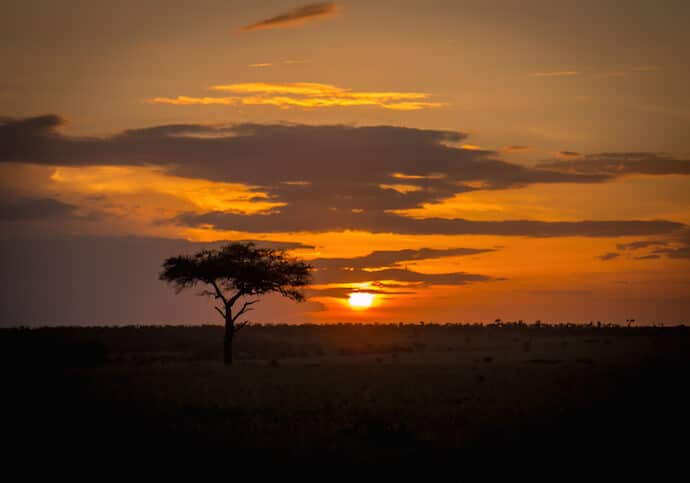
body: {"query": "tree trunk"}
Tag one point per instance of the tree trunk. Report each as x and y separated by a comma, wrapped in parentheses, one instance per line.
(227, 341)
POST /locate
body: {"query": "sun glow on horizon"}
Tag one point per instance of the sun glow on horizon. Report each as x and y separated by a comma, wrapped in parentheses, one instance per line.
(361, 300)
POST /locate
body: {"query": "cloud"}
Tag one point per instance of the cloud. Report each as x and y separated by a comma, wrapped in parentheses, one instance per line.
(145, 182)
(263, 64)
(680, 248)
(609, 256)
(306, 95)
(295, 17)
(344, 292)
(636, 245)
(568, 154)
(677, 253)
(315, 219)
(677, 246)
(340, 166)
(296, 88)
(394, 258)
(619, 164)
(563, 73)
(196, 101)
(561, 291)
(516, 148)
(648, 257)
(328, 177)
(278, 245)
(36, 209)
(385, 271)
(400, 275)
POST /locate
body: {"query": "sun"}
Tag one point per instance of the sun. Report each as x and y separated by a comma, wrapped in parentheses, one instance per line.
(361, 300)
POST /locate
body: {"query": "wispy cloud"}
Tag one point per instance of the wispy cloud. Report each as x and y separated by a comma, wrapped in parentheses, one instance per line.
(636, 245)
(295, 17)
(189, 101)
(380, 259)
(609, 256)
(516, 148)
(563, 73)
(681, 248)
(306, 95)
(299, 217)
(620, 164)
(606, 74)
(386, 272)
(648, 257)
(298, 88)
(568, 154)
(260, 65)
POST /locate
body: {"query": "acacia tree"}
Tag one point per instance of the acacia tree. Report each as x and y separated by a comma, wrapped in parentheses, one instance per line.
(233, 275)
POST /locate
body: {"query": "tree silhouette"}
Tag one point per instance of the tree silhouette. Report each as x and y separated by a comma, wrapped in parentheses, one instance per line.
(236, 271)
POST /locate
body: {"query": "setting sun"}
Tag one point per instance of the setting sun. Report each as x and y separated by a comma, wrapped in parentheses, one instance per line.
(361, 300)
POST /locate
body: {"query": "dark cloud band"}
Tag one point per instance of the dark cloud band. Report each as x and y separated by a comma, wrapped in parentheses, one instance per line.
(619, 164)
(342, 167)
(292, 219)
(36, 209)
(334, 177)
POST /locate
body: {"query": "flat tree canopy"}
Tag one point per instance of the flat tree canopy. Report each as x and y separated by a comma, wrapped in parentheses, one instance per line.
(234, 271)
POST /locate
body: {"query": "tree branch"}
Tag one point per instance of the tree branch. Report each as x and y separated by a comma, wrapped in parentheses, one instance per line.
(245, 308)
(241, 325)
(222, 314)
(234, 298)
(219, 294)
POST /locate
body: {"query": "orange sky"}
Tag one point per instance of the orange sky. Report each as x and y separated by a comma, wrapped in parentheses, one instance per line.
(471, 162)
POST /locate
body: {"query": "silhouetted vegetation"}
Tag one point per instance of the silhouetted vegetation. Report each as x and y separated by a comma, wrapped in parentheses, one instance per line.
(89, 346)
(361, 392)
(236, 271)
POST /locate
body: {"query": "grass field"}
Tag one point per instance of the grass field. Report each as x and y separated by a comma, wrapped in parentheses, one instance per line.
(367, 393)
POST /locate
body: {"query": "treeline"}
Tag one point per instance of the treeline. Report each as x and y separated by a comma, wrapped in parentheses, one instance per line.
(94, 346)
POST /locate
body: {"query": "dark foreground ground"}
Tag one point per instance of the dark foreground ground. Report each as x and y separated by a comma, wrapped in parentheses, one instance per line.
(361, 394)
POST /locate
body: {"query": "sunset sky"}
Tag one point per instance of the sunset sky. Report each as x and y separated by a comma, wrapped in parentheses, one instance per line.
(460, 161)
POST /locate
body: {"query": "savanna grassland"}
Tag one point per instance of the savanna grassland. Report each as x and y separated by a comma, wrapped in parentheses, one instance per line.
(366, 393)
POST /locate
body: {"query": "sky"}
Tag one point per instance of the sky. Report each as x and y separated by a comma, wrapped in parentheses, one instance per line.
(460, 161)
